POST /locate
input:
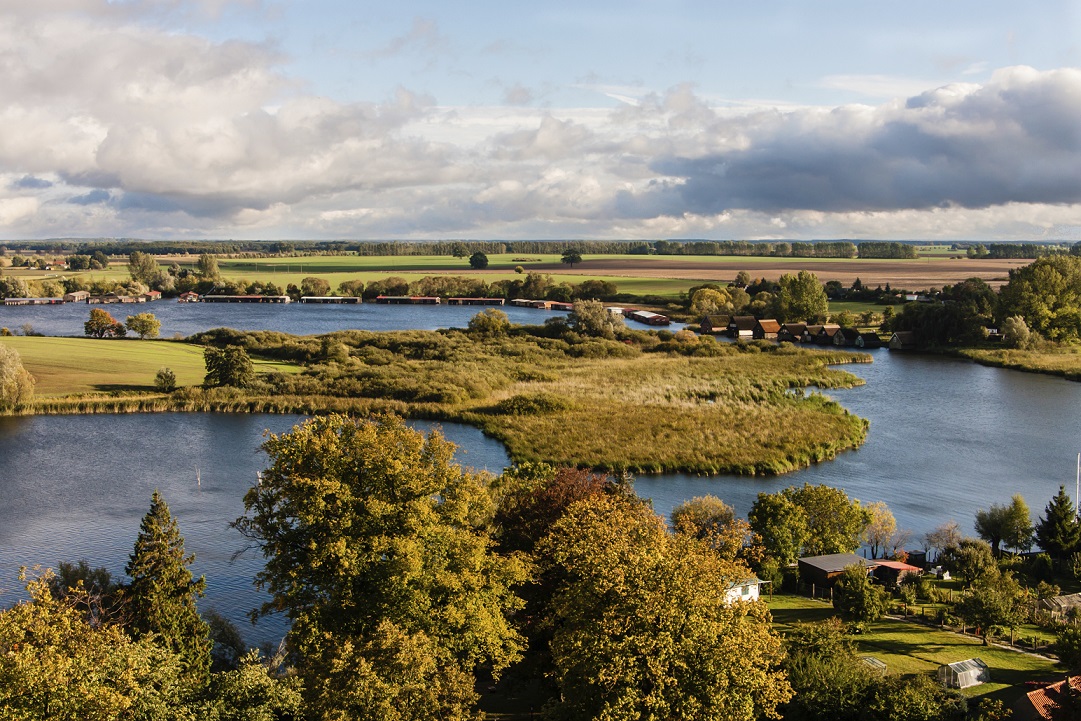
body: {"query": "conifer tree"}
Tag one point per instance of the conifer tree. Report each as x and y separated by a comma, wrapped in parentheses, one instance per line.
(1058, 531)
(162, 595)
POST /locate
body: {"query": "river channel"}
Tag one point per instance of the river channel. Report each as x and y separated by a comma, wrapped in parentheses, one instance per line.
(947, 437)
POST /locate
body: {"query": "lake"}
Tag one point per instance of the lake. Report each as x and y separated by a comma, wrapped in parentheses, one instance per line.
(184, 319)
(947, 437)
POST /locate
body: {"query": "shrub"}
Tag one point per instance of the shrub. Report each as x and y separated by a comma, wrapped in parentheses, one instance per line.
(165, 381)
(532, 404)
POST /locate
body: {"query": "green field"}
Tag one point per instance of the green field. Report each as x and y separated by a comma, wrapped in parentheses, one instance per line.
(909, 648)
(68, 366)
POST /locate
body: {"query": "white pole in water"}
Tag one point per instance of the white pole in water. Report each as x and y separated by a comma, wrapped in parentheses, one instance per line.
(1077, 489)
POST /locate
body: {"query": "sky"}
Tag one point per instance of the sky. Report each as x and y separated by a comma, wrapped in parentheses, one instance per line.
(335, 119)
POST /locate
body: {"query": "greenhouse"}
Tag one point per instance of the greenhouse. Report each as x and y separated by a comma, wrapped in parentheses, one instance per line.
(963, 674)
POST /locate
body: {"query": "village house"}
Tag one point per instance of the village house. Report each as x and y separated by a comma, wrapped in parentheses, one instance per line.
(715, 324)
(77, 296)
(891, 573)
(791, 332)
(903, 340)
(822, 571)
(825, 334)
(846, 337)
(745, 590)
(868, 340)
(765, 329)
(742, 326)
(188, 297)
(152, 295)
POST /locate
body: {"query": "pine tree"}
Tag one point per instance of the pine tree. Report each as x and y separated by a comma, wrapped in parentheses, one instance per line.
(162, 595)
(1058, 531)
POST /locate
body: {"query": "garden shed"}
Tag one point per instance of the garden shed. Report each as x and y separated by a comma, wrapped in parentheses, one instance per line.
(1061, 607)
(963, 674)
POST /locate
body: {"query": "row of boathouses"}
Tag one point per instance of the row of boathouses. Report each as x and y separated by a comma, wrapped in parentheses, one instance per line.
(748, 327)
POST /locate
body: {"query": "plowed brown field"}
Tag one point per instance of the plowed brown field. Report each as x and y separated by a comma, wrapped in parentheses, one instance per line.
(915, 274)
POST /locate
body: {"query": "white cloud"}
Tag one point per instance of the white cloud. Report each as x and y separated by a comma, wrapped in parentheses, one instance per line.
(113, 126)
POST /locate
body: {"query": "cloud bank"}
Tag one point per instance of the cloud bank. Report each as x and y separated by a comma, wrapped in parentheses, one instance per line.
(115, 125)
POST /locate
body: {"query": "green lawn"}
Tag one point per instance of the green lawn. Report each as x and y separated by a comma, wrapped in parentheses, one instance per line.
(909, 648)
(66, 366)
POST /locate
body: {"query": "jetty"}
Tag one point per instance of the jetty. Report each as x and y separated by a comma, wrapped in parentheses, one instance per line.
(475, 301)
(332, 299)
(246, 299)
(407, 299)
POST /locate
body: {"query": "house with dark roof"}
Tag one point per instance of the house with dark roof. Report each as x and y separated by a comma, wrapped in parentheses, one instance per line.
(791, 332)
(765, 329)
(826, 333)
(742, 326)
(868, 339)
(846, 337)
(822, 571)
(891, 573)
(903, 340)
(715, 324)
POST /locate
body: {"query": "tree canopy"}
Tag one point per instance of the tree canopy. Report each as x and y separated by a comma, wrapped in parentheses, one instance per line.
(643, 628)
(1058, 531)
(570, 257)
(145, 325)
(161, 598)
(377, 551)
(478, 261)
(103, 325)
(16, 383)
(1006, 525)
(230, 366)
(800, 297)
(1047, 294)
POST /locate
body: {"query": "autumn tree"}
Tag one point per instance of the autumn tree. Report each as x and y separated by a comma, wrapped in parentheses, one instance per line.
(312, 286)
(230, 366)
(710, 519)
(145, 325)
(1058, 531)
(944, 536)
(161, 598)
(16, 383)
(643, 628)
(590, 317)
(103, 325)
(54, 664)
(378, 552)
(881, 529)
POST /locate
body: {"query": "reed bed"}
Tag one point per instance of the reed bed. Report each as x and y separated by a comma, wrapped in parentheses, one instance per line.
(638, 403)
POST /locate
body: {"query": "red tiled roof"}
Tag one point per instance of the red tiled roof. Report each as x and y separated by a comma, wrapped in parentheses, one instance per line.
(1044, 700)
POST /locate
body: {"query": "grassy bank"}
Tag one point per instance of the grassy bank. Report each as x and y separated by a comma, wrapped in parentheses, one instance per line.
(1062, 361)
(640, 404)
(77, 366)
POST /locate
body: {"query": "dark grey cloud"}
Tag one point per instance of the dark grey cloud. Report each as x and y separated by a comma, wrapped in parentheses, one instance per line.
(1015, 140)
